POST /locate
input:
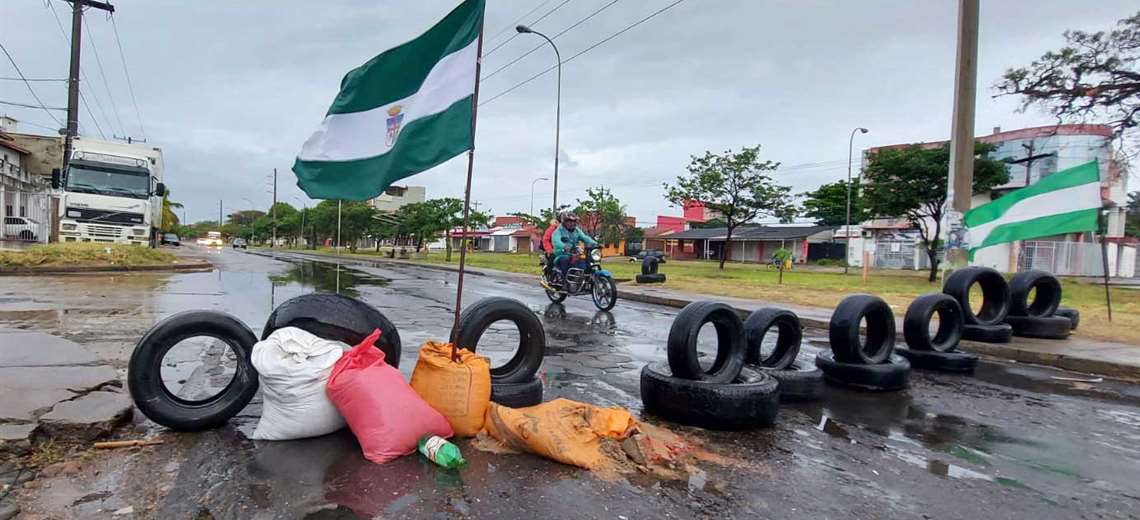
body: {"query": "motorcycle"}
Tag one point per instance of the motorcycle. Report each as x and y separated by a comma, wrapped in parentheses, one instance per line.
(580, 280)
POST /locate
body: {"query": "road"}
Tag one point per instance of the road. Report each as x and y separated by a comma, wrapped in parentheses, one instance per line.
(1013, 441)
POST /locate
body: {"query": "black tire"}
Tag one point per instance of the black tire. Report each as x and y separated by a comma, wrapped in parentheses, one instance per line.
(337, 317)
(1073, 315)
(1052, 327)
(955, 362)
(681, 345)
(159, 404)
(845, 334)
(1000, 333)
(474, 320)
(649, 265)
(556, 296)
(916, 323)
(803, 381)
(650, 278)
(788, 339)
(893, 375)
(1045, 300)
(602, 285)
(517, 395)
(750, 401)
(995, 294)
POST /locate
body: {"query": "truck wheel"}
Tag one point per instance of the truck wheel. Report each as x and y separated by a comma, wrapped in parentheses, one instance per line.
(803, 381)
(1073, 315)
(916, 323)
(517, 395)
(995, 294)
(789, 336)
(681, 345)
(750, 401)
(339, 318)
(892, 375)
(1047, 294)
(475, 320)
(846, 335)
(1000, 333)
(954, 362)
(1052, 327)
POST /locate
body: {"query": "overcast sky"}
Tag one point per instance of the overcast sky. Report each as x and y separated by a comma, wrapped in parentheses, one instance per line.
(230, 90)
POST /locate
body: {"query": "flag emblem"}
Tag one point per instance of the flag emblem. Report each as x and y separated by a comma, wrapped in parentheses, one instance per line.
(395, 117)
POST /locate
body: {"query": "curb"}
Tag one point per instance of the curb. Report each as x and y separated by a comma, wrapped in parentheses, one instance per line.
(80, 269)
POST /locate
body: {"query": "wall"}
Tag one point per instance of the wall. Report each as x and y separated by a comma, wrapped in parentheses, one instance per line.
(391, 202)
(46, 153)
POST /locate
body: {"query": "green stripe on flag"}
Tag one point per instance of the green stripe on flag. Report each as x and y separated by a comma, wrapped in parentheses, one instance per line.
(1072, 222)
(398, 72)
(424, 143)
(1075, 176)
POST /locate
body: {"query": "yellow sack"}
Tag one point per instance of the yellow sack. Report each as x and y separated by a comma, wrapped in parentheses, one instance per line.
(458, 390)
(563, 430)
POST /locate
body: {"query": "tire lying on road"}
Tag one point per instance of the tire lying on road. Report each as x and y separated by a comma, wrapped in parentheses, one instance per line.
(339, 318)
(750, 401)
(845, 333)
(789, 336)
(1000, 333)
(1073, 315)
(995, 294)
(892, 375)
(1052, 327)
(517, 395)
(650, 278)
(681, 346)
(802, 381)
(916, 323)
(956, 362)
(649, 265)
(159, 404)
(1047, 294)
(475, 320)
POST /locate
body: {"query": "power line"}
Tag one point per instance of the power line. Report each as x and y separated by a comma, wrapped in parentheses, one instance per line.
(103, 74)
(517, 20)
(126, 72)
(67, 41)
(8, 78)
(555, 37)
(29, 85)
(584, 51)
(92, 115)
(515, 35)
(26, 105)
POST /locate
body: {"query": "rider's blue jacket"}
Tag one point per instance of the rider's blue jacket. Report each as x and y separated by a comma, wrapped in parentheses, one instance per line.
(564, 238)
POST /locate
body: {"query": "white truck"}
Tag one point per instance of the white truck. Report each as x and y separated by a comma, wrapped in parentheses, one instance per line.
(111, 192)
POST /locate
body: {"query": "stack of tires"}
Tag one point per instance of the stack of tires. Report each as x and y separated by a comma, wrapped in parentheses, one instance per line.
(940, 350)
(649, 272)
(862, 356)
(512, 384)
(1041, 316)
(726, 396)
(988, 324)
(799, 380)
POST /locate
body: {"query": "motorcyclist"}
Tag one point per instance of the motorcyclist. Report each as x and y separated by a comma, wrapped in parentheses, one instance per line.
(565, 241)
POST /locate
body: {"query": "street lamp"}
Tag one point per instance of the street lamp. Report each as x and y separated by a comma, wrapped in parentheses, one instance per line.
(522, 29)
(532, 192)
(847, 229)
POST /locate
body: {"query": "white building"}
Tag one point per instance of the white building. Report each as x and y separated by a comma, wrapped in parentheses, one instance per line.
(396, 197)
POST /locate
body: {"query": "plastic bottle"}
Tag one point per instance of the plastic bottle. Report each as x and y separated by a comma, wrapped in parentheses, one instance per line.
(440, 451)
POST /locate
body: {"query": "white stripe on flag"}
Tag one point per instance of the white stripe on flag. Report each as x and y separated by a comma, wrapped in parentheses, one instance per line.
(1074, 198)
(359, 135)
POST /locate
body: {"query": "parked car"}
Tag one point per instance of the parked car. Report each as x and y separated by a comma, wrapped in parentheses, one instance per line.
(22, 228)
(170, 238)
(648, 252)
(240, 243)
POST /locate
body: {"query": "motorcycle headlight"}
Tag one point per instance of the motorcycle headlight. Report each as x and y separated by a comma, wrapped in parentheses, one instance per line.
(596, 255)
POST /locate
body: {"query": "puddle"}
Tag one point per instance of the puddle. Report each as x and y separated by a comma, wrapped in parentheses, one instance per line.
(940, 467)
(310, 276)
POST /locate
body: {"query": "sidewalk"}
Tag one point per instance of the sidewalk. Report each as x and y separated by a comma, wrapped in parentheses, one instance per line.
(1076, 353)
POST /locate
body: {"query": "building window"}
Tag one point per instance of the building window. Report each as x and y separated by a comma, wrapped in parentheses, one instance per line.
(687, 246)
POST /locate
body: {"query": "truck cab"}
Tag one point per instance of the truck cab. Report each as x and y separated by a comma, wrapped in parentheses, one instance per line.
(111, 192)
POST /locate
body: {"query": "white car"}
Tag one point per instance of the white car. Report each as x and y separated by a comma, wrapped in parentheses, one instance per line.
(21, 228)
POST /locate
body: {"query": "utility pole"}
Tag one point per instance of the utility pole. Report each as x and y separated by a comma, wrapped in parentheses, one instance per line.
(273, 209)
(219, 214)
(961, 182)
(73, 75)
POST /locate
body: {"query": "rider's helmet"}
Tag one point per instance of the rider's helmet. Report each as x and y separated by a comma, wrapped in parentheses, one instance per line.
(566, 216)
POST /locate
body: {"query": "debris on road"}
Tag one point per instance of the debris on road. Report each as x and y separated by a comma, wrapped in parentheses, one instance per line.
(440, 451)
(138, 443)
(293, 367)
(459, 388)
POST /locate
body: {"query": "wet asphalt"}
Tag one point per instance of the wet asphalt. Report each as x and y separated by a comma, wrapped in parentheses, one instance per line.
(1012, 441)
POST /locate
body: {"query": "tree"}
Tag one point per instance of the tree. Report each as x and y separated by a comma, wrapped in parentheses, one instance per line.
(910, 183)
(828, 204)
(170, 223)
(1132, 224)
(286, 225)
(602, 215)
(1093, 75)
(736, 185)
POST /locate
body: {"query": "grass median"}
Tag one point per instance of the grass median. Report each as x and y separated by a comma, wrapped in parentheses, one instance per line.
(77, 254)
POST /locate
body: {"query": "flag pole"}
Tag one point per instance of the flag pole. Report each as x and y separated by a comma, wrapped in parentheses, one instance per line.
(467, 200)
(1103, 225)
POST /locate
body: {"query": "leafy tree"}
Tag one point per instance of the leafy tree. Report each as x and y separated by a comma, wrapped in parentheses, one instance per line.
(1132, 224)
(711, 223)
(1094, 75)
(245, 217)
(355, 221)
(532, 220)
(737, 185)
(602, 215)
(170, 223)
(910, 183)
(286, 225)
(782, 255)
(828, 204)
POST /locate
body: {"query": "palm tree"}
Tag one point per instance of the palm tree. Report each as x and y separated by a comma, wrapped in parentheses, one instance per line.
(169, 218)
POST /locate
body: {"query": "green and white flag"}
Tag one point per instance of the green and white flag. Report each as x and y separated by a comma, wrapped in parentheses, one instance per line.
(1065, 202)
(405, 111)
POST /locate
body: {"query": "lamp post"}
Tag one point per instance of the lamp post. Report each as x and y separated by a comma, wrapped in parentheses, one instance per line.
(532, 192)
(847, 228)
(522, 29)
(304, 209)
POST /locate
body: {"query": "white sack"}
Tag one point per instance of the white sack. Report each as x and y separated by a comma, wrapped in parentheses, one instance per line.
(293, 367)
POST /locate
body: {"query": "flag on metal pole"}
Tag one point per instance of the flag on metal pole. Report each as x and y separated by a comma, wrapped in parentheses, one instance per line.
(403, 112)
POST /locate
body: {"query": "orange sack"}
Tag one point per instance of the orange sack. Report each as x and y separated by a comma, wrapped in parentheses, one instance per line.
(459, 390)
(562, 430)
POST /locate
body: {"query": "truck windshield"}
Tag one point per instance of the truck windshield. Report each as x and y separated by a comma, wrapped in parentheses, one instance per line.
(87, 178)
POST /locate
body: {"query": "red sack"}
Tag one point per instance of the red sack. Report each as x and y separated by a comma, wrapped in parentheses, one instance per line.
(383, 411)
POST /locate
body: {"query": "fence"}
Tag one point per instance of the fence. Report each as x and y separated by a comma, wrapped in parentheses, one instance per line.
(26, 216)
(894, 254)
(1077, 258)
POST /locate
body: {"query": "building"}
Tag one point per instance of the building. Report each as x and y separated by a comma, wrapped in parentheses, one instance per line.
(750, 243)
(1032, 154)
(396, 197)
(24, 199)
